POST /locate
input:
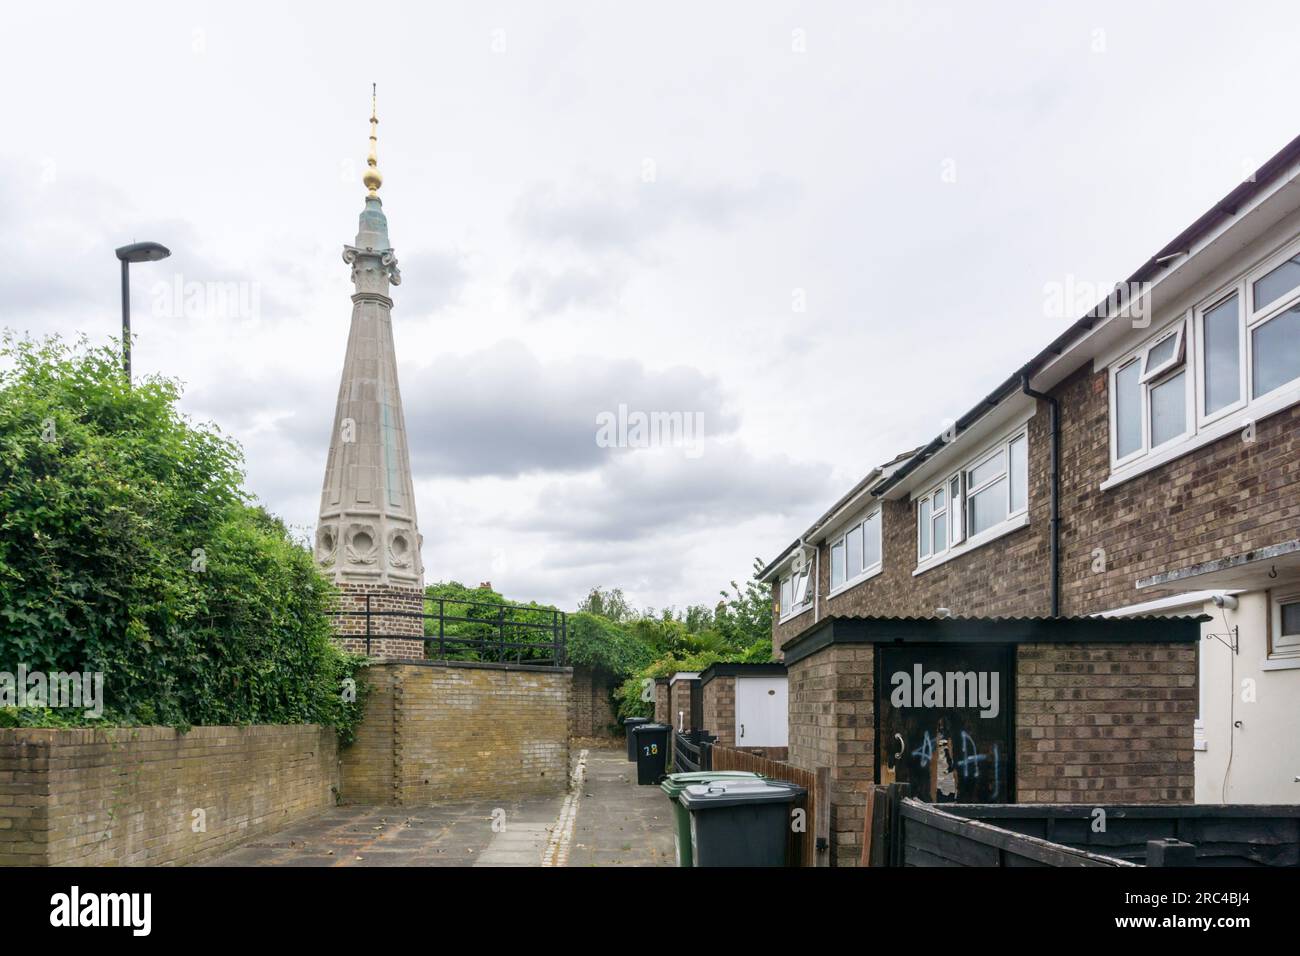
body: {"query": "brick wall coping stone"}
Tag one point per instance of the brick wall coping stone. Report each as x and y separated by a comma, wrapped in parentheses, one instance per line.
(472, 665)
(838, 629)
(143, 733)
(741, 670)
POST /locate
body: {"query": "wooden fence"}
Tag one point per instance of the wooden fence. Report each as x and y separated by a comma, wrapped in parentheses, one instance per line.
(809, 847)
(902, 831)
(1236, 835)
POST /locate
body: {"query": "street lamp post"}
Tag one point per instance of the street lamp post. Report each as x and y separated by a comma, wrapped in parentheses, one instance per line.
(135, 252)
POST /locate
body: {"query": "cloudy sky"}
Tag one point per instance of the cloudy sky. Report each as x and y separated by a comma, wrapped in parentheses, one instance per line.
(826, 228)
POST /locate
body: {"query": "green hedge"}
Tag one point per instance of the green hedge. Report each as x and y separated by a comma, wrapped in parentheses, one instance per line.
(129, 547)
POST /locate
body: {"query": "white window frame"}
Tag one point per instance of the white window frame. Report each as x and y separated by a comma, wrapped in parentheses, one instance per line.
(1243, 359)
(1178, 359)
(794, 610)
(1256, 318)
(1149, 379)
(1204, 428)
(960, 540)
(1279, 646)
(842, 539)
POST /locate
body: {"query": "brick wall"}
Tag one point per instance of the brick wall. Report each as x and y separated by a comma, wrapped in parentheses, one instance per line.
(591, 710)
(1111, 724)
(1227, 498)
(720, 710)
(662, 715)
(435, 732)
(127, 796)
(1107, 723)
(679, 702)
(832, 724)
(351, 627)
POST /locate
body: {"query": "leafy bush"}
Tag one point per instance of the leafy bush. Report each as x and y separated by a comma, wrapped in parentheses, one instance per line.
(128, 547)
(600, 643)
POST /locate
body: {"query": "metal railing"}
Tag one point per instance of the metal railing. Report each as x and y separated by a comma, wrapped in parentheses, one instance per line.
(498, 635)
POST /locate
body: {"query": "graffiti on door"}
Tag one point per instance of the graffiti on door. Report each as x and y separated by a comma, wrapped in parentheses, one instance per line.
(943, 721)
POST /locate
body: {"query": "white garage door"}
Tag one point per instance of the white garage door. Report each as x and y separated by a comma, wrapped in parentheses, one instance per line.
(761, 717)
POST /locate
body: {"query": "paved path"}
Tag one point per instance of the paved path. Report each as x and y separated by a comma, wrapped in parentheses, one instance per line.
(618, 822)
(604, 820)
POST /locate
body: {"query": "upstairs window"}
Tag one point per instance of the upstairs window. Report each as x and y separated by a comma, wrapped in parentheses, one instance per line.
(1232, 358)
(973, 504)
(796, 594)
(856, 553)
(1149, 392)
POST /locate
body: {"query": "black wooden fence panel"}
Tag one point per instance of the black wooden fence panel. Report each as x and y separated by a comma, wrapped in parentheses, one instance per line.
(1223, 835)
(930, 836)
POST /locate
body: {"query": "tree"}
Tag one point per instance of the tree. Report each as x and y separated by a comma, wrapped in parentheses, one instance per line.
(128, 547)
(610, 605)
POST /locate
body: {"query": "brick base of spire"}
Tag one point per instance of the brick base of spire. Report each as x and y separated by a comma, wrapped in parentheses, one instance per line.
(387, 632)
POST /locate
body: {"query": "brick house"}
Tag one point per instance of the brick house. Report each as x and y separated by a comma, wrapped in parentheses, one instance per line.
(1144, 463)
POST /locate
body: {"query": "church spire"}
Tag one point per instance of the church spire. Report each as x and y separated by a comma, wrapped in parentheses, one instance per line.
(368, 538)
(372, 178)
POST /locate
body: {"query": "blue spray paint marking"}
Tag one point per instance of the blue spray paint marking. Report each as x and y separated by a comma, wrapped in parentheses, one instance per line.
(925, 751)
(970, 760)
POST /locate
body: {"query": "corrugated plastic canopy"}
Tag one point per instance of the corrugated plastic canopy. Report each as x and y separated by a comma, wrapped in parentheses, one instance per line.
(842, 629)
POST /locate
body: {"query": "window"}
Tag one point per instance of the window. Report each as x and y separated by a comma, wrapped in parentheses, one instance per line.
(1221, 334)
(1165, 354)
(859, 549)
(1019, 474)
(1238, 353)
(1168, 409)
(987, 501)
(795, 593)
(1149, 392)
(1276, 283)
(980, 498)
(1285, 638)
(1275, 345)
(1128, 409)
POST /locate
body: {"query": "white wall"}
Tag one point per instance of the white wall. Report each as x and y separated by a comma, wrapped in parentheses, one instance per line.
(1265, 749)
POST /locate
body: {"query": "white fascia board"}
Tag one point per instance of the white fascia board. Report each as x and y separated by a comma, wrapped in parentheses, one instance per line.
(1012, 412)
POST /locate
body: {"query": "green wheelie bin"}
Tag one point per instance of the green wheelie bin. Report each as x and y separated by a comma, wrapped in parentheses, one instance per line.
(740, 822)
(673, 785)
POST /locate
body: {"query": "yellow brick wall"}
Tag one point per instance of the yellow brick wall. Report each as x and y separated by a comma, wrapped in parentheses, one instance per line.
(438, 732)
(127, 796)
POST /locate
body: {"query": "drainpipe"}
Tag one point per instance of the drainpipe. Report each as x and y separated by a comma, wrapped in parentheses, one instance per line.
(1054, 478)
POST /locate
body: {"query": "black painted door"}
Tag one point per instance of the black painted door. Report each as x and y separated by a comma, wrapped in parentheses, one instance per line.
(943, 720)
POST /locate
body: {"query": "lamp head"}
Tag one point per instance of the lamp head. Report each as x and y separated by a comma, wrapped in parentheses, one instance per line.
(143, 252)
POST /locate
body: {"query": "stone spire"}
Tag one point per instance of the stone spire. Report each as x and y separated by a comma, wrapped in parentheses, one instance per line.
(367, 537)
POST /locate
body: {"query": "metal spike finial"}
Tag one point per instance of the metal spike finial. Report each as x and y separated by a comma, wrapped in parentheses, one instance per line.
(372, 179)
